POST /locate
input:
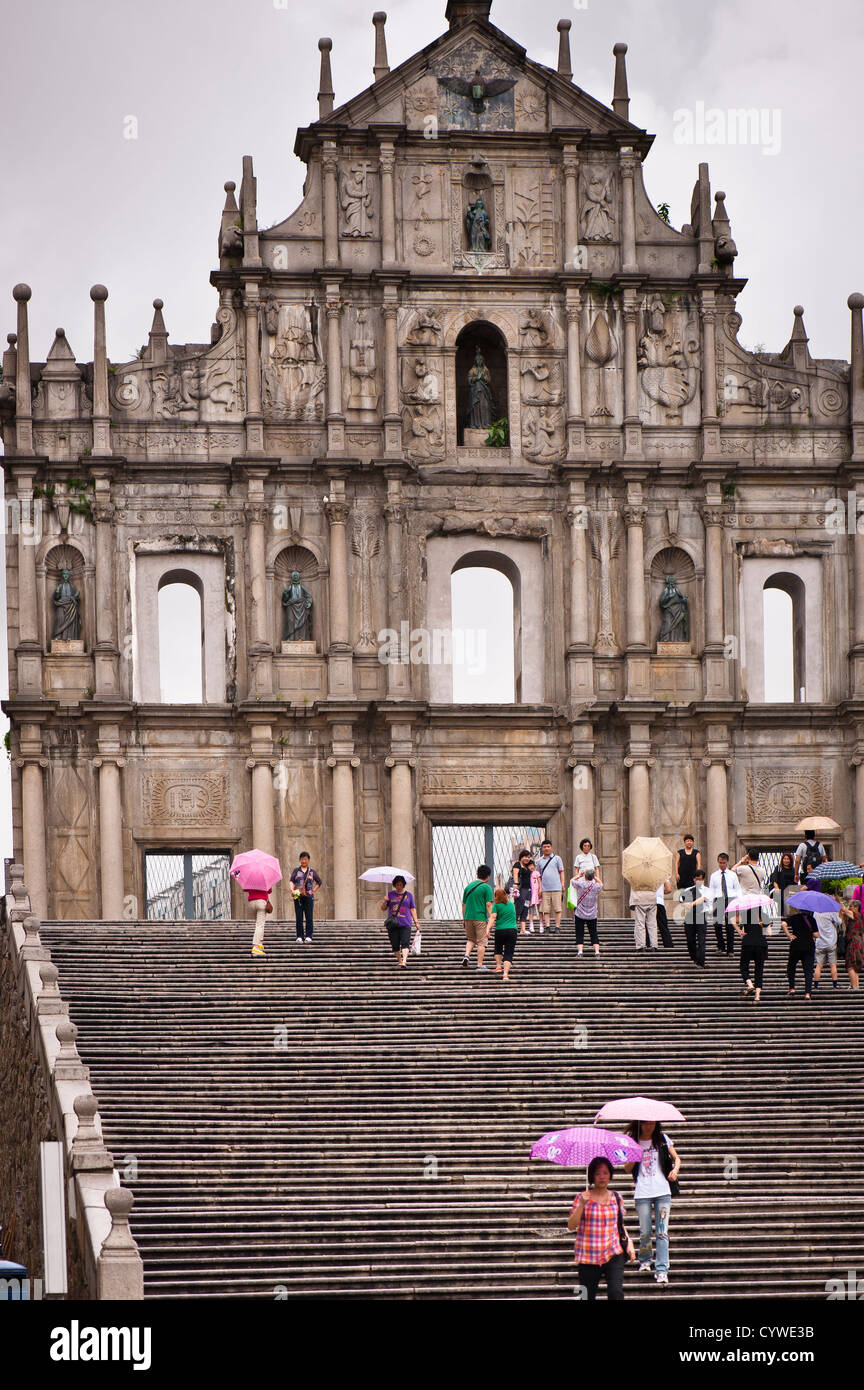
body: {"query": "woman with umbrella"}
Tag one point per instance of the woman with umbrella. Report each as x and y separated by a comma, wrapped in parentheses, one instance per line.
(654, 1173)
(855, 942)
(601, 1235)
(401, 912)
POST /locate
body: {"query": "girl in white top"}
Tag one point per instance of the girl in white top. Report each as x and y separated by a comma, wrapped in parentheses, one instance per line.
(585, 859)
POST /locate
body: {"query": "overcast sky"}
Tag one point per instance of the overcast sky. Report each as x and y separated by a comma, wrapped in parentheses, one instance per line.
(211, 80)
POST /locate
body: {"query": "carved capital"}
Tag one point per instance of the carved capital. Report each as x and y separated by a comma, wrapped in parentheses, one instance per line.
(713, 516)
(635, 516)
(32, 758)
(337, 513)
(395, 514)
(387, 158)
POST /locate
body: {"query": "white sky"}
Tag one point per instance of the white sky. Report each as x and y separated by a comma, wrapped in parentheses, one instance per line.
(211, 80)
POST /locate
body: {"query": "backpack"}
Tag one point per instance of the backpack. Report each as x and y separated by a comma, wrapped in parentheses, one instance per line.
(812, 857)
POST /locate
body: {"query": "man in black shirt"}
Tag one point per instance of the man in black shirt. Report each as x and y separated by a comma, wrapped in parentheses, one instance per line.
(696, 900)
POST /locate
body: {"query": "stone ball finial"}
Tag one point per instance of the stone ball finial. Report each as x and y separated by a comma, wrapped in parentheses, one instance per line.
(98, 292)
(119, 1201)
(719, 196)
(86, 1105)
(855, 300)
(22, 293)
(619, 48)
(379, 17)
(564, 25)
(67, 1033)
(798, 311)
(48, 974)
(11, 339)
(325, 45)
(158, 304)
(229, 186)
(59, 332)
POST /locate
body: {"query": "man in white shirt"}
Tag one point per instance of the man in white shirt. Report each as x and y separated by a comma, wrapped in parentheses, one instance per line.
(723, 886)
(809, 853)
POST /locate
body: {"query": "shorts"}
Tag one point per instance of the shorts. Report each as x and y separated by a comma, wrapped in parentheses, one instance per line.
(505, 942)
(400, 936)
(475, 932)
(826, 955)
(552, 900)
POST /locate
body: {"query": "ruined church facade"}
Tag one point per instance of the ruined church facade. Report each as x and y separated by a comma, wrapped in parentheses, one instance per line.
(320, 469)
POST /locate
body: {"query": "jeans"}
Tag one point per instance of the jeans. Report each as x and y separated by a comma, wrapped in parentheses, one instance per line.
(659, 1206)
(303, 909)
(590, 1275)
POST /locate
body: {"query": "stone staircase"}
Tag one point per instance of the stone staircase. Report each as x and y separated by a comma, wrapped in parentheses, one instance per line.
(321, 1124)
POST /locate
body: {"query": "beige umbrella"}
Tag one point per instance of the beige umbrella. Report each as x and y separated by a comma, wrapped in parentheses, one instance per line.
(647, 862)
(816, 823)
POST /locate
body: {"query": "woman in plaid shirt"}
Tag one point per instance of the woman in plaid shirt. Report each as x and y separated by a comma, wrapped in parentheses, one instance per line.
(601, 1236)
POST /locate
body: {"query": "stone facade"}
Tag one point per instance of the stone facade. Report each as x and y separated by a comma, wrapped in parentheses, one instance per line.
(323, 430)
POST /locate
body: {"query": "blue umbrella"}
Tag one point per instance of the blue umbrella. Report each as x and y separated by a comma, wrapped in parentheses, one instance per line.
(834, 869)
(811, 902)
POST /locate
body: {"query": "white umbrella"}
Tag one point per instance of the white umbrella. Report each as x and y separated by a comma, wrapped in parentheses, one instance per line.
(386, 874)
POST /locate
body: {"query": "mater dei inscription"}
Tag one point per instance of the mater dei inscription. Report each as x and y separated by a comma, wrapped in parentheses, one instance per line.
(475, 343)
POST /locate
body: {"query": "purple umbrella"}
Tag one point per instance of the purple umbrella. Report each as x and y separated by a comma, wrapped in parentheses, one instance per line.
(574, 1148)
(811, 902)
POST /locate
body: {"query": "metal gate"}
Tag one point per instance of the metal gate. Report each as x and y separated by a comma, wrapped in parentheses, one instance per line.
(458, 849)
(187, 886)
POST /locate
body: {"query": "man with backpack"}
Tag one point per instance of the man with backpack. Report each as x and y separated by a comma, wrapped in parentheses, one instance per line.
(809, 853)
(551, 869)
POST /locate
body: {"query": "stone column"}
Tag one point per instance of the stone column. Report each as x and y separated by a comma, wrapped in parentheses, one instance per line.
(634, 516)
(29, 534)
(392, 417)
(709, 371)
(582, 765)
(101, 408)
(344, 843)
(716, 811)
(401, 813)
(31, 766)
(111, 837)
(640, 796)
(260, 644)
(254, 416)
(334, 352)
(857, 652)
(330, 175)
(387, 160)
(577, 515)
(398, 672)
(263, 818)
(574, 362)
(571, 211)
(717, 667)
(105, 649)
(631, 370)
(856, 376)
(858, 764)
(340, 651)
(628, 161)
(23, 394)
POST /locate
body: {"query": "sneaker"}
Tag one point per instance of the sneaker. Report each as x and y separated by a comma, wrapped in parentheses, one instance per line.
(661, 1278)
(297, 942)
(835, 984)
(464, 960)
(480, 967)
(257, 951)
(645, 1267)
(308, 940)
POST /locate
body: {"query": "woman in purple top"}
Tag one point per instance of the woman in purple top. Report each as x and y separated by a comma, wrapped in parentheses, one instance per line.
(305, 881)
(584, 893)
(401, 912)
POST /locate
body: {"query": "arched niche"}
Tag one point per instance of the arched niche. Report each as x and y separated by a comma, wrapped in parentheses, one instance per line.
(486, 634)
(521, 561)
(489, 340)
(801, 579)
(290, 559)
(674, 560)
(783, 632)
(205, 573)
(477, 183)
(59, 558)
(180, 629)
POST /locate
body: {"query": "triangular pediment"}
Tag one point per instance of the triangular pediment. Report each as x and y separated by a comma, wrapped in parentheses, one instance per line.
(477, 79)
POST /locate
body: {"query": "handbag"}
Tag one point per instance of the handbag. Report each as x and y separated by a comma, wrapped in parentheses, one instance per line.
(393, 919)
(622, 1229)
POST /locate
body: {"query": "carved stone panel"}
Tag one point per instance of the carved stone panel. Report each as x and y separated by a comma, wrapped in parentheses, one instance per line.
(185, 798)
(788, 795)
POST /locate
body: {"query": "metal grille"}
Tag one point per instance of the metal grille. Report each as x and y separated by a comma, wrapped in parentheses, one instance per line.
(188, 887)
(458, 849)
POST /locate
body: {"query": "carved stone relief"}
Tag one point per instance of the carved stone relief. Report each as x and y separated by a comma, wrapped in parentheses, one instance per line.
(423, 432)
(542, 382)
(668, 358)
(601, 348)
(293, 373)
(185, 798)
(597, 219)
(788, 796)
(605, 537)
(362, 369)
(543, 432)
(355, 197)
(421, 379)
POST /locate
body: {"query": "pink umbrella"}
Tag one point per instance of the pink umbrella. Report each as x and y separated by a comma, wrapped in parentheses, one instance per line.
(634, 1108)
(749, 902)
(574, 1148)
(256, 870)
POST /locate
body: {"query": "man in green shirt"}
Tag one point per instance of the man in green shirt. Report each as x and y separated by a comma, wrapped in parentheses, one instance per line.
(476, 906)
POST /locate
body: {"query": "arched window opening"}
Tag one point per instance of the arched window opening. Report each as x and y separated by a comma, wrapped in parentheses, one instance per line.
(485, 634)
(181, 640)
(481, 380)
(783, 640)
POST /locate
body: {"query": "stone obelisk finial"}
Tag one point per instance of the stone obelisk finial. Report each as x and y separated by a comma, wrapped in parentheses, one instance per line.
(101, 420)
(620, 94)
(565, 64)
(23, 399)
(325, 91)
(382, 66)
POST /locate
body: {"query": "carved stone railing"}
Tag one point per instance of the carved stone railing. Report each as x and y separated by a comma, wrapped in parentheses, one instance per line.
(111, 1260)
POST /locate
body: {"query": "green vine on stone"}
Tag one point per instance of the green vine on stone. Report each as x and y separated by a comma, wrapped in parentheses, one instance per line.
(498, 436)
(663, 211)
